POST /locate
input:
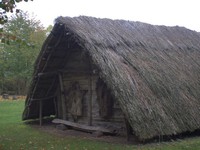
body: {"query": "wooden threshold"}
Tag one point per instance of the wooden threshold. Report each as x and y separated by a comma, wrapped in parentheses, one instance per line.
(85, 128)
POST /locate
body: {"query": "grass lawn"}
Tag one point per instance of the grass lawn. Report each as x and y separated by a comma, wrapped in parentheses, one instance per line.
(15, 135)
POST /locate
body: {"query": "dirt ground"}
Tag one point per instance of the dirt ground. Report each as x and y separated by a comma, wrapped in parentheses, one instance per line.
(51, 128)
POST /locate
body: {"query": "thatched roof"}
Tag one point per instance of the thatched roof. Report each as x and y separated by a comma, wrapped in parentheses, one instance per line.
(152, 71)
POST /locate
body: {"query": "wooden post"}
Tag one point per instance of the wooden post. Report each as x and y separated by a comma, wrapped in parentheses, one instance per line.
(90, 101)
(63, 99)
(128, 129)
(40, 112)
(55, 106)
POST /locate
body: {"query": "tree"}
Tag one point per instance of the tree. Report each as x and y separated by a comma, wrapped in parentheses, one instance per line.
(7, 6)
(19, 54)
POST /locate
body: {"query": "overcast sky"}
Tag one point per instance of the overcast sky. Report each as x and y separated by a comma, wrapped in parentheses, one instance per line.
(159, 12)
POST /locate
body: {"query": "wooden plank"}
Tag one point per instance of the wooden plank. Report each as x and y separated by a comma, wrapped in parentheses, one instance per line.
(83, 80)
(82, 127)
(114, 120)
(63, 99)
(40, 113)
(45, 74)
(90, 101)
(59, 104)
(77, 72)
(42, 99)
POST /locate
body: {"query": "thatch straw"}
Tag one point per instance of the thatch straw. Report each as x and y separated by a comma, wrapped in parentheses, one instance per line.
(153, 71)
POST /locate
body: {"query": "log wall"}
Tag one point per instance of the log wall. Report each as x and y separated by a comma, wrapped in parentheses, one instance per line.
(78, 69)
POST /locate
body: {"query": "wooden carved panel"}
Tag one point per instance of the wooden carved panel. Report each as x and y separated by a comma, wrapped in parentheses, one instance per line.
(75, 100)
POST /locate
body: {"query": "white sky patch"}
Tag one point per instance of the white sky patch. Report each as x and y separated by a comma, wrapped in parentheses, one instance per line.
(158, 12)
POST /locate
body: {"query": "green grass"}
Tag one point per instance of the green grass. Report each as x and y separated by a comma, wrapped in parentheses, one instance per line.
(15, 135)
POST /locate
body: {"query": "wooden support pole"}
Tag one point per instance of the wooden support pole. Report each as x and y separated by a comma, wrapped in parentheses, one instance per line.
(128, 129)
(55, 107)
(90, 101)
(63, 99)
(40, 112)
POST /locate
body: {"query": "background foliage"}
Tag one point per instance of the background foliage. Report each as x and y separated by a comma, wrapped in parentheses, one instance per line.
(7, 6)
(21, 41)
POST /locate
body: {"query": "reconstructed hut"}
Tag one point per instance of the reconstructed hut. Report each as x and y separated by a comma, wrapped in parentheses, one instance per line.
(103, 74)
